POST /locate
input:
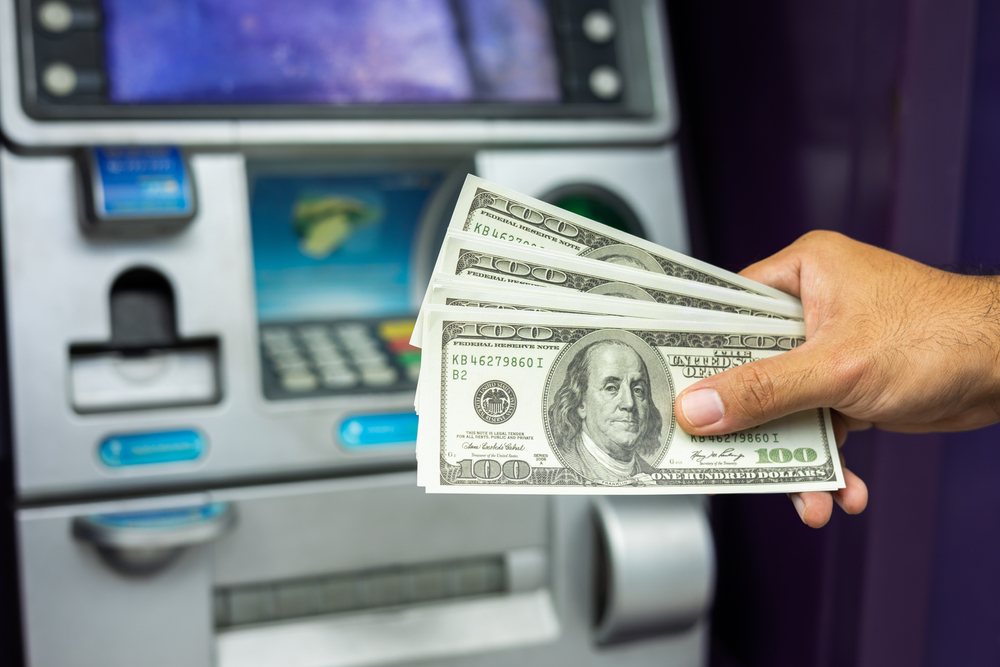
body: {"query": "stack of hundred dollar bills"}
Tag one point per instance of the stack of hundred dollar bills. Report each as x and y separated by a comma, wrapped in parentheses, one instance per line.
(554, 347)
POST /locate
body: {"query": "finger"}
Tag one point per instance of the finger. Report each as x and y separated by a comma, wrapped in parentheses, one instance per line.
(843, 425)
(840, 429)
(855, 424)
(760, 391)
(853, 498)
(780, 271)
(813, 507)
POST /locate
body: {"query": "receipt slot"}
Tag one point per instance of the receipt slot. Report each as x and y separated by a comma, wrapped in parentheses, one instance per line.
(218, 224)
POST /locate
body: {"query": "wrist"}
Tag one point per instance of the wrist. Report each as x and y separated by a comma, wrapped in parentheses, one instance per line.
(982, 327)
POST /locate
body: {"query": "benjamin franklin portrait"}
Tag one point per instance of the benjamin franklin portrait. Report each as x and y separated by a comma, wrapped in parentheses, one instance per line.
(603, 418)
(627, 256)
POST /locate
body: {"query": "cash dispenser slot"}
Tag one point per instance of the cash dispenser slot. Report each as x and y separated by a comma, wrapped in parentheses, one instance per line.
(371, 571)
(145, 363)
(379, 588)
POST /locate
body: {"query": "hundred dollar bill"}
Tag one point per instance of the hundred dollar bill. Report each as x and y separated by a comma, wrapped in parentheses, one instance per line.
(523, 402)
(470, 292)
(466, 255)
(501, 214)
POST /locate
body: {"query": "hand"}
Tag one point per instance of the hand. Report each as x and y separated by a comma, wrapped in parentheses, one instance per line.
(891, 343)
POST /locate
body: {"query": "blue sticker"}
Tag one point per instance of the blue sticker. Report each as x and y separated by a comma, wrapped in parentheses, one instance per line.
(141, 183)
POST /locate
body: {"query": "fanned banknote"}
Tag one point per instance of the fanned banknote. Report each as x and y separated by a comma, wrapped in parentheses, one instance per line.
(548, 402)
(472, 292)
(497, 213)
(493, 212)
(464, 255)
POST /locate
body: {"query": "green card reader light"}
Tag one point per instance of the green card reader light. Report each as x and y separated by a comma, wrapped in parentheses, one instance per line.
(596, 203)
(136, 191)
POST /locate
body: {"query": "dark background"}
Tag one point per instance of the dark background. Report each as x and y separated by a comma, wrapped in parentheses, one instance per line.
(880, 120)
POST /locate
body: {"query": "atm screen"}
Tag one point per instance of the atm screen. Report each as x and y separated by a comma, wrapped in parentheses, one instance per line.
(330, 246)
(330, 52)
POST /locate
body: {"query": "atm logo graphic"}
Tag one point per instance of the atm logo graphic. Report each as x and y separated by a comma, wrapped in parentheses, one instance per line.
(495, 402)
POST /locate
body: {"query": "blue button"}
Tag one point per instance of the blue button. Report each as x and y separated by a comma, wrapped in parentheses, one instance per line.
(119, 451)
(398, 428)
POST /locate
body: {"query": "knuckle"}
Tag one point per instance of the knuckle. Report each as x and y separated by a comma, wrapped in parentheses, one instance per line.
(820, 237)
(754, 393)
(848, 370)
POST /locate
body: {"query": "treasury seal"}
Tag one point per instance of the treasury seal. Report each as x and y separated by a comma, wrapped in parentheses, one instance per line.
(495, 402)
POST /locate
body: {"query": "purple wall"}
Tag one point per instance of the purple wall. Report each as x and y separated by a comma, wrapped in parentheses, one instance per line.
(875, 119)
(965, 591)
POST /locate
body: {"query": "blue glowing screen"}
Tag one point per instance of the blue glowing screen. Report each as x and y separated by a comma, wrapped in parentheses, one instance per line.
(337, 246)
(329, 51)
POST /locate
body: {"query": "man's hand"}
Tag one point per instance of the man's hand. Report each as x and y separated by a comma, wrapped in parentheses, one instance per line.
(891, 343)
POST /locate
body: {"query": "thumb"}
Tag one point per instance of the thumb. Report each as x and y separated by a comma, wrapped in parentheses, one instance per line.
(758, 392)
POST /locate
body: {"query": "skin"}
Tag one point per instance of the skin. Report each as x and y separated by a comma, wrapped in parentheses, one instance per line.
(891, 344)
(616, 404)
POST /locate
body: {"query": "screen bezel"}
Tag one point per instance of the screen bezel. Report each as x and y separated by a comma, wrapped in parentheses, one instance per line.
(575, 58)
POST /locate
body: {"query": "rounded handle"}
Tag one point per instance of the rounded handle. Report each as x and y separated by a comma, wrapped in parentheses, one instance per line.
(147, 541)
(658, 569)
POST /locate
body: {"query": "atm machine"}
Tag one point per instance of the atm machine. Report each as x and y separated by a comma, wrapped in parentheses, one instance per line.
(218, 218)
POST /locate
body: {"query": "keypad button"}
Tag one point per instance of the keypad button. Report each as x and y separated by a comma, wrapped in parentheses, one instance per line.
(332, 365)
(393, 329)
(410, 358)
(339, 379)
(379, 377)
(401, 346)
(361, 344)
(330, 360)
(349, 330)
(276, 334)
(320, 346)
(375, 359)
(313, 331)
(372, 363)
(280, 348)
(298, 382)
(291, 365)
(283, 354)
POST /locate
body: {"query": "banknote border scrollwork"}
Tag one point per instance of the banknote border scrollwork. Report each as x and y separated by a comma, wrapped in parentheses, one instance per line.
(544, 476)
(592, 240)
(482, 199)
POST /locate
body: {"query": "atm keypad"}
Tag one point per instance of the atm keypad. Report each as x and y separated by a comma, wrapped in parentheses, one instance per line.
(324, 359)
